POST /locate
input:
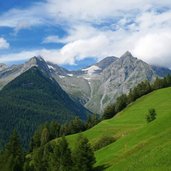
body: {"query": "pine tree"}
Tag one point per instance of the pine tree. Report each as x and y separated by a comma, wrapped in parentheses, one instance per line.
(109, 112)
(40, 163)
(121, 103)
(13, 155)
(76, 125)
(44, 136)
(35, 141)
(158, 83)
(61, 159)
(92, 121)
(83, 155)
(151, 115)
(54, 129)
(168, 80)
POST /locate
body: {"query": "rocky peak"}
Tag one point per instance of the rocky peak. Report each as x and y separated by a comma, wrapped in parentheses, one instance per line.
(36, 61)
(127, 59)
(3, 66)
(106, 62)
(126, 54)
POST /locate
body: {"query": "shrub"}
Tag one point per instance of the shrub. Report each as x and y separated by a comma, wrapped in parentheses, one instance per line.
(151, 115)
(103, 141)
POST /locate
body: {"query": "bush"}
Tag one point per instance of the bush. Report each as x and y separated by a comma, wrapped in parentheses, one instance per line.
(102, 142)
(151, 115)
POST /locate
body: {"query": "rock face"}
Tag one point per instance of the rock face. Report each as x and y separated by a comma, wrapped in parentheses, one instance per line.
(95, 86)
(118, 78)
(3, 66)
(100, 84)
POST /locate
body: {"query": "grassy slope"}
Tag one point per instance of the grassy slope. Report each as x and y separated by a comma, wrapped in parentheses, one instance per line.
(140, 146)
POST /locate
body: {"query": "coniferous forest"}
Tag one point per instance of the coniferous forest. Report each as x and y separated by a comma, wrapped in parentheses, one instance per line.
(24, 105)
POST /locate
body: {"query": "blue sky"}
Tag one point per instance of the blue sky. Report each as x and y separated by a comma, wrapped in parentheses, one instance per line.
(75, 34)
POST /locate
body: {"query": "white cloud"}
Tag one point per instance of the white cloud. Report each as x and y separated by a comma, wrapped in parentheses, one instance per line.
(49, 55)
(52, 39)
(23, 18)
(155, 48)
(133, 25)
(3, 43)
(75, 11)
(22, 25)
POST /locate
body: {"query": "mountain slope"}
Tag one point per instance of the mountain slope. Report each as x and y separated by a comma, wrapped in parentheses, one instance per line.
(31, 99)
(140, 145)
(161, 71)
(7, 74)
(96, 86)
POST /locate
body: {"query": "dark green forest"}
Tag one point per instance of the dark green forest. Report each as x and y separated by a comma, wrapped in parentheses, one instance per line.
(32, 99)
(49, 157)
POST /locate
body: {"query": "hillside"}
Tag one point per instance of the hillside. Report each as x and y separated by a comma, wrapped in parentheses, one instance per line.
(32, 99)
(140, 145)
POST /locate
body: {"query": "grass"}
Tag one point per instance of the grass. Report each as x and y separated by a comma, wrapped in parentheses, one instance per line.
(140, 146)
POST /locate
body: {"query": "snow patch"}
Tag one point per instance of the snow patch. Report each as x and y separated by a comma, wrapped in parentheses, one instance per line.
(71, 75)
(92, 69)
(61, 76)
(51, 67)
(87, 78)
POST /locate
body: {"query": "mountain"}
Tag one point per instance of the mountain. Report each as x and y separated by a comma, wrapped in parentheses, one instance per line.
(97, 85)
(100, 84)
(32, 98)
(161, 71)
(106, 62)
(3, 66)
(9, 73)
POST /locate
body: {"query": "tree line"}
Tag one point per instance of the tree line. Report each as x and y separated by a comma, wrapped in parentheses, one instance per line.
(46, 156)
(141, 89)
(56, 156)
(51, 130)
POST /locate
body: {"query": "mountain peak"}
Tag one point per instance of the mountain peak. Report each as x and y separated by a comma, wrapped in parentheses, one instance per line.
(106, 62)
(35, 60)
(3, 66)
(126, 54)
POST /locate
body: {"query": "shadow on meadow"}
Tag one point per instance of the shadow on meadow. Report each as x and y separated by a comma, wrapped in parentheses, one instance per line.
(101, 167)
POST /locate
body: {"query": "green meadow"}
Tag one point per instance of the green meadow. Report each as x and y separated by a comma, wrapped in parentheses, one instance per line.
(140, 146)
